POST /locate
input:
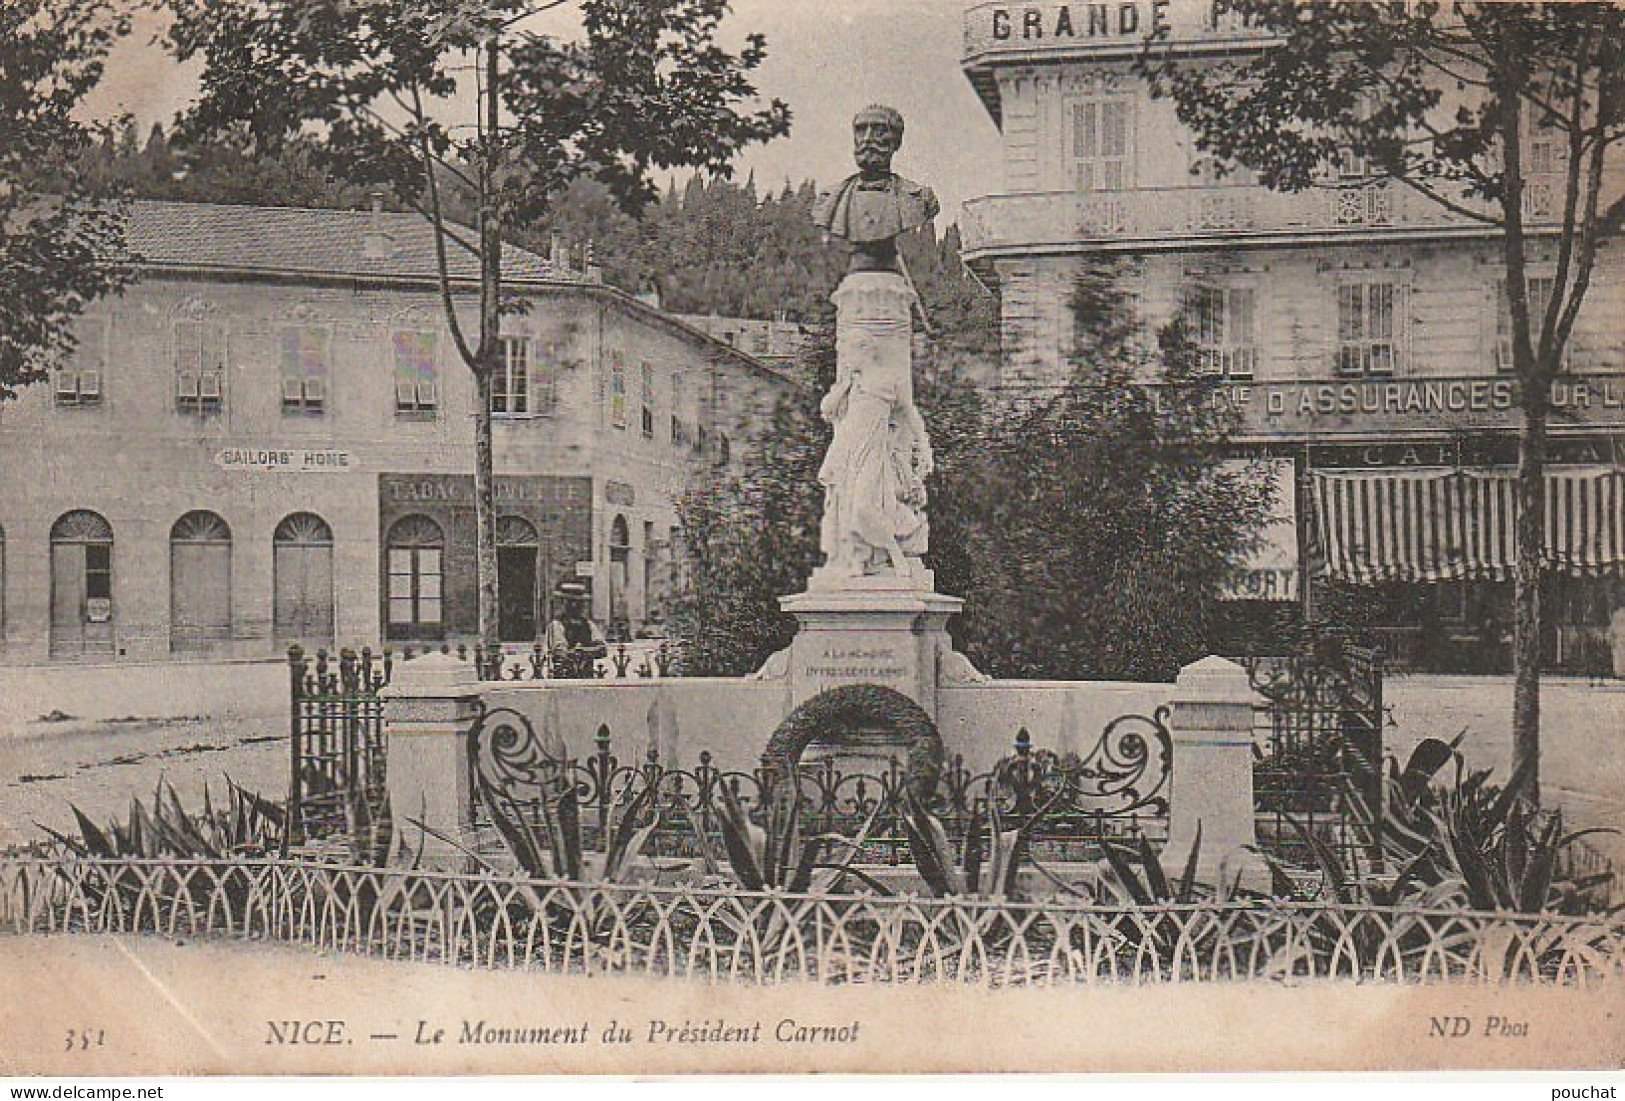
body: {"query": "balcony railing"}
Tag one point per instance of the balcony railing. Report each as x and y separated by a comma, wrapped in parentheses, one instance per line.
(1064, 220)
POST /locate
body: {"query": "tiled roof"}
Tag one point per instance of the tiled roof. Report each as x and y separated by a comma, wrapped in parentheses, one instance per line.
(298, 241)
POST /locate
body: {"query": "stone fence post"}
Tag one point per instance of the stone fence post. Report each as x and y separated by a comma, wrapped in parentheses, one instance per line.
(1212, 783)
(430, 706)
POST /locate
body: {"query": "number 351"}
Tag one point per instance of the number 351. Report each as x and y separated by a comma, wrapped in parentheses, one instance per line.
(84, 1039)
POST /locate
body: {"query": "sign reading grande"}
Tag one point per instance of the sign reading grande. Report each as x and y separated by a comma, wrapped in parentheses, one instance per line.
(992, 28)
(285, 460)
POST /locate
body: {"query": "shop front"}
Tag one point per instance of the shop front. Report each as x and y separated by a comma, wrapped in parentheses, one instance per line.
(428, 591)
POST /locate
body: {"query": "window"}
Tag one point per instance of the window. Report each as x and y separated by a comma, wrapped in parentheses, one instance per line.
(200, 366)
(617, 392)
(304, 370)
(1221, 327)
(1369, 327)
(522, 386)
(1102, 135)
(82, 610)
(648, 401)
(79, 380)
(417, 372)
(1540, 291)
(414, 552)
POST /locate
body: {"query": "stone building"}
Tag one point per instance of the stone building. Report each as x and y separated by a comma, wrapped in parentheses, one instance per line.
(1360, 330)
(268, 439)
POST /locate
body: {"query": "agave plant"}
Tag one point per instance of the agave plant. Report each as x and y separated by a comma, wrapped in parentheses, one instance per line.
(247, 826)
(1465, 841)
(778, 854)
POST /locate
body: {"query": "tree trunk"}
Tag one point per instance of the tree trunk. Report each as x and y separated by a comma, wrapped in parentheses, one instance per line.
(1526, 617)
(485, 511)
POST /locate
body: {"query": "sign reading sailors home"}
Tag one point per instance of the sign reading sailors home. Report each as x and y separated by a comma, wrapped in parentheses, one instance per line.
(285, 460)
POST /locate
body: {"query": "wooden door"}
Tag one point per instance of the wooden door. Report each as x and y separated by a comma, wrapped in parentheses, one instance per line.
(67, 599)
(199, 596)
(304, 593)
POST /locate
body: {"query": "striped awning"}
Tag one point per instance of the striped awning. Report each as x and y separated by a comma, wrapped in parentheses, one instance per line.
(1451, 525)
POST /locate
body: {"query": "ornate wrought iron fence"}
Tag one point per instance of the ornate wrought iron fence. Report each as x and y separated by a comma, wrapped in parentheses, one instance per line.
(1323, 721)
(336, 736)
(1118, 790)
(336, 717)
(727, 935)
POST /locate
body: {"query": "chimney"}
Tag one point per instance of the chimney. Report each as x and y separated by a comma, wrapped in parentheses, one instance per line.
(375, 243)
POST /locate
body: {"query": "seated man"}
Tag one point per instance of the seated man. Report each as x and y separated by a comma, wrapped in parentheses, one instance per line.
(573, 640)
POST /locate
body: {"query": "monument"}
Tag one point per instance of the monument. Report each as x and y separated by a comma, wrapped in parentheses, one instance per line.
(871, 613)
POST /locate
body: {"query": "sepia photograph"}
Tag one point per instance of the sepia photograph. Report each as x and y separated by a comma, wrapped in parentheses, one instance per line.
(665, 537)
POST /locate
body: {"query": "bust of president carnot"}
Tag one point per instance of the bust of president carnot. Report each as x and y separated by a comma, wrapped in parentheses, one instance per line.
(872, 208)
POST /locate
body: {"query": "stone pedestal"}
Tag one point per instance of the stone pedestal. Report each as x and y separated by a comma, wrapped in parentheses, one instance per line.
(429, 708)
(876, 630)
(1212, 783)
(874, 326)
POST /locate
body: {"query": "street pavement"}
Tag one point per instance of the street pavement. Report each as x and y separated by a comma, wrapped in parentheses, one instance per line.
(95, 737)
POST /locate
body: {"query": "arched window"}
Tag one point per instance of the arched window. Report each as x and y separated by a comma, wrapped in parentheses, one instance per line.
(82, 612)
(415, 554)
(516, 531)
(302, 582)
(199, 583)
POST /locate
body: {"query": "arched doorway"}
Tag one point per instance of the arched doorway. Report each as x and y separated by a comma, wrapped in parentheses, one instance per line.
(199, 583)
(414, 553)
(620, 576)
(302, 582)
(82, 612)
(518, 553)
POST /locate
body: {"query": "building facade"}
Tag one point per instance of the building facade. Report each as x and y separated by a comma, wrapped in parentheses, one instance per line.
(1359, 329)
(269, 438)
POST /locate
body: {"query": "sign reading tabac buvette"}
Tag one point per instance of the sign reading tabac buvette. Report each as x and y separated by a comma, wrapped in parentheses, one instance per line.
(285, 460)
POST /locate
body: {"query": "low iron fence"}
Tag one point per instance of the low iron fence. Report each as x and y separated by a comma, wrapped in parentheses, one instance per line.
(1068, 803)
(715, 934)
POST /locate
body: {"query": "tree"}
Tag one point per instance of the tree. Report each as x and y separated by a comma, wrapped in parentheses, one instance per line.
(379, 89)
(750, 536)
(1463, 106)
(1100, 520)
(61, 237)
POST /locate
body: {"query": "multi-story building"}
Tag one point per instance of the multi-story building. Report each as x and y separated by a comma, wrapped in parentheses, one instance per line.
(268, 438)
(1360, 330)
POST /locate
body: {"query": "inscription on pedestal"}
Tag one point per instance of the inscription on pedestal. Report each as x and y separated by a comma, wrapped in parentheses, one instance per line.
(858, 663)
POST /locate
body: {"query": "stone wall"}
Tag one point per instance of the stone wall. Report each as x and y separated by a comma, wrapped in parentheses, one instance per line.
(733, 719)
